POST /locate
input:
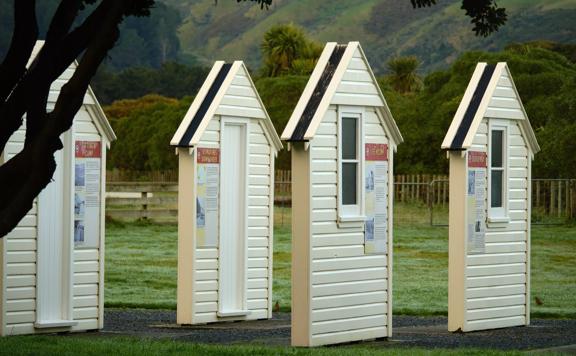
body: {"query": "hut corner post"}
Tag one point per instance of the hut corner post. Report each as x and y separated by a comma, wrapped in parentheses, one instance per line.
(186, 231)
(457, 241)
(301, 245)
(2, 284)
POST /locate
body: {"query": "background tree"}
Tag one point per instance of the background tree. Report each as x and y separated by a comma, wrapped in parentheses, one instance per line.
(403, 76)
(486, 16)
(24, 90)
(287, 50)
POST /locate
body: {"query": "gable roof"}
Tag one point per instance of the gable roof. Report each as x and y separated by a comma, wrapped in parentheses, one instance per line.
(322, 87)
(210, 101)
(90, 101)
(491, 93)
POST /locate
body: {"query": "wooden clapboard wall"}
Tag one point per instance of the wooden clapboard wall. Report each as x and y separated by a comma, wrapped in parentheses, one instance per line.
(490, 287)
(18, 248)
(497, 281)
(339, 292)
(198, 296)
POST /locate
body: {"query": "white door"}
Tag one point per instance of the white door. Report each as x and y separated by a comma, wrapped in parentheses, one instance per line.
(232, 294)
(55, 245)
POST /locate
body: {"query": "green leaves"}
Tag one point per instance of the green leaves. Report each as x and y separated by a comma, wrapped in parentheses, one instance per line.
(486, 16)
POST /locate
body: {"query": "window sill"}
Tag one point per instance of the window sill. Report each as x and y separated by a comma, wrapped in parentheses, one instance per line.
(232, 313)
(498, 221)
(355, 221)
(54, 324)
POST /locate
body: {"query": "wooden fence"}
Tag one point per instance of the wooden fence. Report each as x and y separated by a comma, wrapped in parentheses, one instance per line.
(128, 201)
(157, 200)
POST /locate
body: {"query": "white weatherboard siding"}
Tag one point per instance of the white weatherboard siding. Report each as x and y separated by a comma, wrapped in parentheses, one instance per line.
(504, 103)
(497, 291)
(19, 263)
(240, 100)
(260, 181)
(203, 296)
(348, 288)
(357, 86)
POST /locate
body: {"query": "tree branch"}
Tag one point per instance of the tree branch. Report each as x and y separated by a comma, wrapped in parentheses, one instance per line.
(54, 58)
(63, 19)
(23, 40)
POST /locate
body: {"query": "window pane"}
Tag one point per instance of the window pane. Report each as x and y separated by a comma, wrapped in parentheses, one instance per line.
(348, 138)
(496, 195)
(497, 141)
(349, 183)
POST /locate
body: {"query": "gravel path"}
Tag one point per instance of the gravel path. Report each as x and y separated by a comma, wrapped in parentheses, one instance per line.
(427, 332)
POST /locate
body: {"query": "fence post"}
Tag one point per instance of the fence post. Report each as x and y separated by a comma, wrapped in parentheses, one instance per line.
(559, 198)
(144, 196)
(552, 197)
(537, 193)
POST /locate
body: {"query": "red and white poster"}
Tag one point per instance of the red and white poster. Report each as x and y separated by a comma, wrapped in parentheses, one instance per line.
(87, 178)
(207, 191)
(376, 195)
(477, 163)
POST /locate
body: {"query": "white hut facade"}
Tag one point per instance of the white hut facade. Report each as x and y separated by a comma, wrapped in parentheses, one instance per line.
(342, 137)
(226, 146)
(52, 263)
(490, 144)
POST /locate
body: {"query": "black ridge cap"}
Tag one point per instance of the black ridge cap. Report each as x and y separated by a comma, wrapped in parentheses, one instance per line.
(472, 108)
(318, 94)
(214, 88)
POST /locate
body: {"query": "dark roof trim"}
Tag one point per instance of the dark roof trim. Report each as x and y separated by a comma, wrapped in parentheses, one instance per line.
(472, 108)
(199, 115)
(318, 94)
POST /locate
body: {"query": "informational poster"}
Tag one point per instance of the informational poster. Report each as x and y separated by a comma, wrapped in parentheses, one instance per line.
(376, 195)
(87, 179)
(476, 201)
(207, 191)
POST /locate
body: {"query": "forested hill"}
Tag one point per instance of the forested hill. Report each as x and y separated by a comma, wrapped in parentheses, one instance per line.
(386, 28)
(205, 30)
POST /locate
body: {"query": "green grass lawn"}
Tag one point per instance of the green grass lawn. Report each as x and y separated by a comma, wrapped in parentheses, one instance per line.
(141, 266)
(86, 345)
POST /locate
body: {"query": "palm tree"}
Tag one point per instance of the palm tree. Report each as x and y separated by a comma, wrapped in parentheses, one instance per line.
(282, 44)
(403, 77)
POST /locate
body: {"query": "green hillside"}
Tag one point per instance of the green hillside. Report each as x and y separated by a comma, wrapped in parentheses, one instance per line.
(386, 28)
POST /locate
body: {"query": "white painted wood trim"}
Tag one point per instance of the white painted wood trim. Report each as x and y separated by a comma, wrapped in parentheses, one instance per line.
(308, 90)
(528, 241)
(464, 103)
(498, 215)
(2, 284)
(359, 113)
(69, 171)
(388, 122)
(271, 236)
(66, 249)
(102, 247)
(100, 120)
(483, 105)
(310, 246)
(55, 324)
(390, 249)
(196, 103)
(215, 103)
(330, 90)
(525, 126)
(269, 131)
(245, 123)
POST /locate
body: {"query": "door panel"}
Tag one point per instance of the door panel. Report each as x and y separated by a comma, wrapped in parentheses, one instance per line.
(54, 245)
(232, 295)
